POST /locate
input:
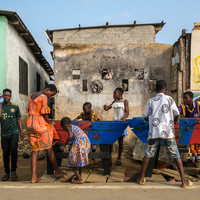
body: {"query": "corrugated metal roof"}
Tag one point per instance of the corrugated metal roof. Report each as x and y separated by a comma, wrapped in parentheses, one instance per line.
(158, 27)
(16, 22)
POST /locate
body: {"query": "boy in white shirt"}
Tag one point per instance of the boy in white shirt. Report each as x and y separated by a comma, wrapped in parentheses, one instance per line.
(160, 112)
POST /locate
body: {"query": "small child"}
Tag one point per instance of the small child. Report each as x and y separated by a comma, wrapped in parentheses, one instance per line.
(78, 155)
(191, 109)
(159, 112)
(88, 114)
(121, 112)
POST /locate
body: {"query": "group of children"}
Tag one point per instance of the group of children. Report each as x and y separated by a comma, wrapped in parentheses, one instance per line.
(161, 112)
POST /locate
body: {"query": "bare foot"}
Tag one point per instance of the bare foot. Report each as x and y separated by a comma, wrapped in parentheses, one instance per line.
(60, 174)
(67, 179)
(36, 180)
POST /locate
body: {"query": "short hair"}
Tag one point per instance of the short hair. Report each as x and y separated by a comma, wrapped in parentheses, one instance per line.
(189, 93)
(65, 120)
(52, 88)
(120, 90)
(87, 104)
(160, 85)
(7, 90)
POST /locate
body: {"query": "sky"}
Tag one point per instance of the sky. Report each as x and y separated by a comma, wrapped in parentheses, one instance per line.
(40, 15)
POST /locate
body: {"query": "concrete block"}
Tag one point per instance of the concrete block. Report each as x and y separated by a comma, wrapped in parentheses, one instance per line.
(96, 176)
(117, 174)
(111, 35)
(85, 35)
(124, 35)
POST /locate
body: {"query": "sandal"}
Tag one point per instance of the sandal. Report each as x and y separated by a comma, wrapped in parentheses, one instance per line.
(78, 182)
(198, 159)
(142, 182)
(187, 186)
(192, 159)
(118, 162)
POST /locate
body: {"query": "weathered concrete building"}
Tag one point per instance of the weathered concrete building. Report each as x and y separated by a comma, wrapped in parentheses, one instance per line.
(23, 68)
(185, 73)
(90, 62)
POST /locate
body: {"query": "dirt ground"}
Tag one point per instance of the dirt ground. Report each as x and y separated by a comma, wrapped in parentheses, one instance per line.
(24, 166)
(24, 169)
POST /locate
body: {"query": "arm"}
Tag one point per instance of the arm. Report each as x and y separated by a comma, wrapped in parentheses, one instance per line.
(19, 124)
(78, 117)
(127, 111)
(0, 110)
(68, 139)
(176, 119)
(46, 117)
(106, 108)
(147, 111)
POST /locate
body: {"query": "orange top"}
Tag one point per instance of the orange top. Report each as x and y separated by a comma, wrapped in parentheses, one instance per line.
(35, 121)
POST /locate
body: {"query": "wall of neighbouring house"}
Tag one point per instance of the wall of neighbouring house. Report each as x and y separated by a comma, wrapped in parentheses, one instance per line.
(195, 62)
(3, 55)
(91, 51)
(17, 47)
(180, 71)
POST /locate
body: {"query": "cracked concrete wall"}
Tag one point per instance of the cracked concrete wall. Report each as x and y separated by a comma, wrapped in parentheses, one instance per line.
(91, 59)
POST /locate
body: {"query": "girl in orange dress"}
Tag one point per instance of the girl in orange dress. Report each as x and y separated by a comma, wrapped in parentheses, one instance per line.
(41, 130)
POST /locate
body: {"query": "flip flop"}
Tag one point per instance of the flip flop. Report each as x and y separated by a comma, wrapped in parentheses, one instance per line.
(142, 182)
(39, 179)
(187, 186)
(77, 182)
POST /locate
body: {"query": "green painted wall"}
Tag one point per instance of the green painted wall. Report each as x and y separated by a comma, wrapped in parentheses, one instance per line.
(3, 54)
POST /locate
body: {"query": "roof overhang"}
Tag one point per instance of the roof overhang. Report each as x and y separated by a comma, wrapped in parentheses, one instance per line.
(157, 26)
(18, 24)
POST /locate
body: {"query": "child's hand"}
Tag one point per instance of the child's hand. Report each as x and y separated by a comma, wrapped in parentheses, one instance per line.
(52, 122)
(105, 107)
(62, 147)
(123, 119)
(21, 136)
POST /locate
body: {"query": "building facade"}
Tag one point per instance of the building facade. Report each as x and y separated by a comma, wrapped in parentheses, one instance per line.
(23, 68)
(90, 62)
(185, 73)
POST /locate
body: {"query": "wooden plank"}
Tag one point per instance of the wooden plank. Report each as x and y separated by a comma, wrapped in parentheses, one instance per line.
(174, 174)
(156, 178)
(91, 155)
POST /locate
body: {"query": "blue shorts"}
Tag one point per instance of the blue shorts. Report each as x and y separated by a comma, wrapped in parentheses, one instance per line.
(152, 145)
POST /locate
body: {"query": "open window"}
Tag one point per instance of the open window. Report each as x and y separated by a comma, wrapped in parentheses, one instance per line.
(76, 73)
(107, 74)
(85, 85)
(152, 85)
(125, 84)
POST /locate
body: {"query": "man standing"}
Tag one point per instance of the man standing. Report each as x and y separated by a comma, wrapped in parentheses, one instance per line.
(11, 124)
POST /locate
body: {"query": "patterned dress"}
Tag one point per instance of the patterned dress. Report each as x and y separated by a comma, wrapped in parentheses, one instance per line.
(78, 155)
(41, 134)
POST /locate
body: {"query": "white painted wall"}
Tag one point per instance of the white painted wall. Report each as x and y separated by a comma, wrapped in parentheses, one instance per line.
(195, 60)
(16, 46)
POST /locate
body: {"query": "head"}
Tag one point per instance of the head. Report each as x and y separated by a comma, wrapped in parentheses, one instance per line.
(87, 107)
(50, 90)
(7, 94)
(161, 86)
(65, 121)
(118, 92)
(187, 97)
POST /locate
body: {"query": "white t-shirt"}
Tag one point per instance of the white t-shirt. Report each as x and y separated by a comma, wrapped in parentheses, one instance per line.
(161, 111)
